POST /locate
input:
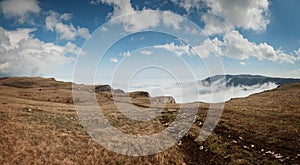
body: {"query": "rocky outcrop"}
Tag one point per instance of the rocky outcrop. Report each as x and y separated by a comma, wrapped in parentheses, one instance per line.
(163, 99)
(103, 88)
(138, 94)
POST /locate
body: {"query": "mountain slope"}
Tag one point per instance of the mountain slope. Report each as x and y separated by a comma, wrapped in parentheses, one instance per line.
(249, 80)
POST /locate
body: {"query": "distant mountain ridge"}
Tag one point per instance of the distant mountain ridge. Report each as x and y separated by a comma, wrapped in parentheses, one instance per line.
(248, 80)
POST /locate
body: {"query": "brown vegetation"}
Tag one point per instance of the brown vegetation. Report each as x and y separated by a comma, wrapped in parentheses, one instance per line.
(39, 125)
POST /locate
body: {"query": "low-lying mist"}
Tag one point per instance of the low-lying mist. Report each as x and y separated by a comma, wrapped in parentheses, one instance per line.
(184, 92)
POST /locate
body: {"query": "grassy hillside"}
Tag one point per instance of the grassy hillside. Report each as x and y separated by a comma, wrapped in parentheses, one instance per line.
(39, 125)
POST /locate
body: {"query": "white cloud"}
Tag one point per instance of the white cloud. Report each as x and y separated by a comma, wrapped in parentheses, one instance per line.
(94, 2)
(126, 54)
(136, 22)
(242, 63)
(146, 52)
(171, 19)
(214, 93)
(55, 22)
(114, 60)
(179, 50)
(121, 7)
(67, 32)
(137, 38)
(83, 32)
(21, 53)
(234, 45)
(213, 25)
(104, 29)
(207, 48)
(297, 52)
(189, 4)
(223, 15)
(66, 16)
(19, 9)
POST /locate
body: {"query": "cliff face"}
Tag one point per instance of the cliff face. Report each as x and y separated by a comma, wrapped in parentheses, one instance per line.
(39, 125)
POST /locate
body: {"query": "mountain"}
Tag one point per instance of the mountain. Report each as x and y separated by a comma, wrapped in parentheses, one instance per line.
(248, 80)
(226, 87)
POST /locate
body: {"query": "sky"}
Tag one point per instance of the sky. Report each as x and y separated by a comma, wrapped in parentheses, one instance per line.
(120, 40)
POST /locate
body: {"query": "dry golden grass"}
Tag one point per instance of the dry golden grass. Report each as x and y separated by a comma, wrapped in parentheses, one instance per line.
(39, 125)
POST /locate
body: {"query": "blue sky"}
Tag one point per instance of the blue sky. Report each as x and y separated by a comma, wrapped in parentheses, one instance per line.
(53, 38)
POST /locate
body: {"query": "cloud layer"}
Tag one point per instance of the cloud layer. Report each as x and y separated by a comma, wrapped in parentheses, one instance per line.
(184, 92)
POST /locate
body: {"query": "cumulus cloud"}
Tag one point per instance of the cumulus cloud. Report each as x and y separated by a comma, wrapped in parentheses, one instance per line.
(146, 52)
(114, 60)
(179, 50)
(208, 47)
(213, 25)
(19, 9)
(136, 22)
(121, 7)
(233, 45)
(223, 15)
(55, 22)
(236, 46)
(23, 54)
(131, 23)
